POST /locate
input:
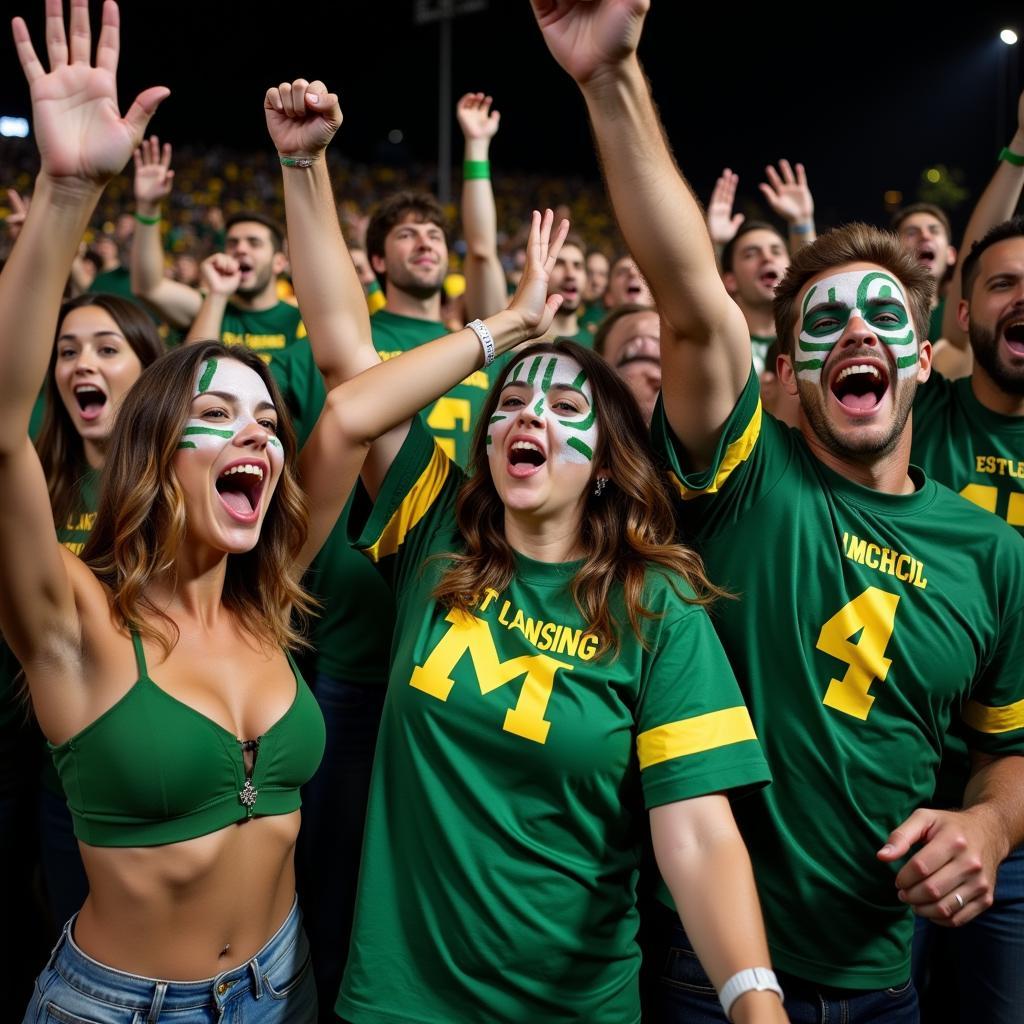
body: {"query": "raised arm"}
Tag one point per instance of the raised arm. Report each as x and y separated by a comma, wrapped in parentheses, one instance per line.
(997, 203)
(175, 302)
(790, 198)
(221, 277)
(83, 141)
(485, 278)
(381, 401)
(705, 344)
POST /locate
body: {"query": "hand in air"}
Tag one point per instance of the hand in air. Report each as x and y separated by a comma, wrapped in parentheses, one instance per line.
(787, 193)
(476, 119)
(722, 222)
(588, 37)
(531, 300)
(19, 211)
(220, 274)
(153, 175)
(81, 135)
(302, 117)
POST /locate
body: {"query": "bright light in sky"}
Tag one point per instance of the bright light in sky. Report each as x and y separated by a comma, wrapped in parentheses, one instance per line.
(1008, 36)
(14, 127)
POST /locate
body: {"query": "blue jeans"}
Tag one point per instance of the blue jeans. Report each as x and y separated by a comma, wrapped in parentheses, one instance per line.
(274, 987)
(976, 973)
(333, 814)
(683, 994)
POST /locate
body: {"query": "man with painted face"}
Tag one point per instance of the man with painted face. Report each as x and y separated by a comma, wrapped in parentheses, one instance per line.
(873, 602)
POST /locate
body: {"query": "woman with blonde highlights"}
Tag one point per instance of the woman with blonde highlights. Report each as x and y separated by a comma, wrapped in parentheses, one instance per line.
(555, 678)
(158, 663)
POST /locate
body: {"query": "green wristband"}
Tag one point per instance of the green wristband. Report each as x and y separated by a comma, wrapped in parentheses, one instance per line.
(476, 170)
(303, 161)
(1011, 158)
(142, 219)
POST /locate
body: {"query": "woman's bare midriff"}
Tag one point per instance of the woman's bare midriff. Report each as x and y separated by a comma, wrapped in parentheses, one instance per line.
(189, 910)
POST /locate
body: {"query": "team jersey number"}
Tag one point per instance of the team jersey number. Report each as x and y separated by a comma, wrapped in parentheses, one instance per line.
(986, 497)
(453, 415)
(869, 617)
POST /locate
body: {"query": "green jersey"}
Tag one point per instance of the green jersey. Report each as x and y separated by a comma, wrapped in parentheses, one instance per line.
(863, 621)
(980, 454)
(759, 345)
(590, 319)
(514, 765)
(267, 331)
(935, 321)
(115, 282)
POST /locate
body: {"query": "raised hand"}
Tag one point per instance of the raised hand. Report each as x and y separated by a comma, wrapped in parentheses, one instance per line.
(220, 274)
(788, 194)
(77, 122)
(531, 300)
(475, 117)
(19, 211)
(588, 37)
(722, 222)
(153, 175)
(302, 117)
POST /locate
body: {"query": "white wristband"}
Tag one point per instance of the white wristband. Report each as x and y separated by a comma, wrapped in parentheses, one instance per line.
(753, 979)
(482, 331)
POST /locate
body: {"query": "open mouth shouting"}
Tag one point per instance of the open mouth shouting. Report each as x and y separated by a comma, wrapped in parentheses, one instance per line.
(1013, 334)
(859, 386)
(926, 256)
(525, 456)
(91, 401)
(240, 487)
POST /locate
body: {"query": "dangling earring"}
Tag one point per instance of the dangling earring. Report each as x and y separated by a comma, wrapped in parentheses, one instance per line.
(599, 485)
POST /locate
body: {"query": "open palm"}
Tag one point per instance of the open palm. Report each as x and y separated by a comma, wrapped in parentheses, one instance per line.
(587, 36)
(78, 125)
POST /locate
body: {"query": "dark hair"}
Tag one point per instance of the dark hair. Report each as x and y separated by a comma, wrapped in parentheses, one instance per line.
(1013, 228)
(252, 217)
(59, 444)
(729, 250)
(625, 531)
(612, 318)
(393, 210)
(930, 208)
(853, 243)
(141, 518)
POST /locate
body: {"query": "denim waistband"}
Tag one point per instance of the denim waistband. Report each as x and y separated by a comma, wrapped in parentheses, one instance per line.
(151, 996)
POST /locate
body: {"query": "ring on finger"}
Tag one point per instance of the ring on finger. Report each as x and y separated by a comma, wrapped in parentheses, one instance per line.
(959, 900)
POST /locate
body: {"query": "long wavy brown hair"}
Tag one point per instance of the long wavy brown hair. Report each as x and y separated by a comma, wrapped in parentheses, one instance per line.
(59, 444)
(141, 519)
(624, 532)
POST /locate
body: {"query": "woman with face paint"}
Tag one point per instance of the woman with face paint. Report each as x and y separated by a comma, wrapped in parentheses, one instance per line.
(158, 663)
(556, 687)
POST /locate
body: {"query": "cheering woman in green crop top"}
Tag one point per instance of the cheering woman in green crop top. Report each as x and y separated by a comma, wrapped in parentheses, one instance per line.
(156, 663)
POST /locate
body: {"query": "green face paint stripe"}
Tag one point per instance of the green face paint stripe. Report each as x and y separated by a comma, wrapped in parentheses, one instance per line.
(583, 449)
(186, 444)
(539, 407)
(584, 424)
(907, 339)
(518, 370)
(534, 367)
(867, 280)
(496, 418)
(807, 300)
(831, 295)
(808, 364)
(580, 380)
(207, 378)
(549, 374)
(885, 292)
(274, 441)
(207, 430)
(817, 346)
(904, 361)
(490, 440)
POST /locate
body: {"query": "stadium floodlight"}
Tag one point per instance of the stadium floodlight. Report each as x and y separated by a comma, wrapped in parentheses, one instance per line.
(1008, 36)
(14, 127)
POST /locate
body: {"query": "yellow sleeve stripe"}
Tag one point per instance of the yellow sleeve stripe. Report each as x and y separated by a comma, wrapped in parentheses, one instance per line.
(694, 735)
(983, 718)
(737, 452)
(414, 507)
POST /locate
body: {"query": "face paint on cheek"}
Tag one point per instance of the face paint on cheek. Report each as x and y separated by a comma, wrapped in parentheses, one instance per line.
(874, 296)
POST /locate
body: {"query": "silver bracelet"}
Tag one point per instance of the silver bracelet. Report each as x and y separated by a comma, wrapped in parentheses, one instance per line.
(752, 979)
(483, 332)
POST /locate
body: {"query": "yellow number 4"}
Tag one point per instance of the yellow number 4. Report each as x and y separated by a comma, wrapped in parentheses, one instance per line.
(872, 615)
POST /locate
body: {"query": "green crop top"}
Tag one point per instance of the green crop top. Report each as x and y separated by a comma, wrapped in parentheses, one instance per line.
(152, 770)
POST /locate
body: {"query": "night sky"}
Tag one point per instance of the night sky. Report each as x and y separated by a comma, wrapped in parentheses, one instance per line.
(867, 97)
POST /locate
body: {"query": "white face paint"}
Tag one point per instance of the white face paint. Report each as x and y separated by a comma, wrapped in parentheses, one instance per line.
(245, 397)
(553, 388)
(873, 295)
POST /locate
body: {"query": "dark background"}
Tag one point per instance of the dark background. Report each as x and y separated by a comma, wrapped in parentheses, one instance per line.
(867, 97)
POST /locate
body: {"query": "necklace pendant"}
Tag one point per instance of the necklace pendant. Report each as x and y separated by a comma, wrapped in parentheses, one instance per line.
(248, 796)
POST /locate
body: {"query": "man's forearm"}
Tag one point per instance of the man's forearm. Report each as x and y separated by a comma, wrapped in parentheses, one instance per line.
(206, 326)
